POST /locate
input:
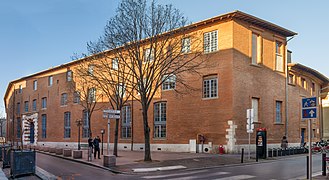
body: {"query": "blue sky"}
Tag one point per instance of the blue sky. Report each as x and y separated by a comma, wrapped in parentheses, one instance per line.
(38, 34)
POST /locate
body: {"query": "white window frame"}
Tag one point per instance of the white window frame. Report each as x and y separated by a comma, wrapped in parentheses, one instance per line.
(50, 80)
(279, 60)
(186, 45)
(148, 55)
(160, 120)
(255, 107)
(126, 122)
(34, 105)
(210, 41)
(169, 82)
(69, 75)
(44, 103)
(63, 99)
(35, 85)
(92, 95)
(67, 124)
(210, 87)
(256, 49)
(115, 63)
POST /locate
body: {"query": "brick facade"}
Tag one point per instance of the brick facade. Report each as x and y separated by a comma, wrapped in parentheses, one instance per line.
(190, 115)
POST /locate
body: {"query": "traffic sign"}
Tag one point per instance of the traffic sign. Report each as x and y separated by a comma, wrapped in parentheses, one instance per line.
(250, 120)
(111, 111)
(308, 102)
(309, 108)
(309, 113)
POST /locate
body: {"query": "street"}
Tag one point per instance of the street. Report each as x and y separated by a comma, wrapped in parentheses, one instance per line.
(65, 169)
(293, 167)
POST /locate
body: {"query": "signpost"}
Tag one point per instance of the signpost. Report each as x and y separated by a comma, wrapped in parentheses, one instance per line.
(110, 114)
(309, 111)
(250, 126)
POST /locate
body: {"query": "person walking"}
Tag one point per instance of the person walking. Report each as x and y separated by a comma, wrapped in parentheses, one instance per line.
(284, 142)
(96, 142)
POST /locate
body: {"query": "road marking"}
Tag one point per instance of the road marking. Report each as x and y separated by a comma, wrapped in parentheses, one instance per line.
(171, 175)
(158, 169)
(200, 177)
(238, 177)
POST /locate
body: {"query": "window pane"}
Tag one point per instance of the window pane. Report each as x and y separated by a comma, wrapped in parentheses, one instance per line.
(254, 106)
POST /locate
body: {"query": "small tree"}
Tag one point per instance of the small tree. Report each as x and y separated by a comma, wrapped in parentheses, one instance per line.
(146, 39)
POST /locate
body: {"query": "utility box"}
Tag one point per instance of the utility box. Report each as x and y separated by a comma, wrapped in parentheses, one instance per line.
(22, 162)
(261, 143)
(6, 155)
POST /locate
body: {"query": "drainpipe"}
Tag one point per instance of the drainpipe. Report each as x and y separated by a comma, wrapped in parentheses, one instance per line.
(287, 93)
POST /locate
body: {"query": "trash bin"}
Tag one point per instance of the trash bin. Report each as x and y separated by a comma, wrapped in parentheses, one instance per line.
(22, 162)
(6, 155)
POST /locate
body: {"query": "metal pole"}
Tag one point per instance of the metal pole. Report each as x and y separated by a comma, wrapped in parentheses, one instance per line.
(307, 167)
(249, 147)
(310, 148)
(324, 164)
(102, 142)
(108, 136)
(79, 147)
(242, 153)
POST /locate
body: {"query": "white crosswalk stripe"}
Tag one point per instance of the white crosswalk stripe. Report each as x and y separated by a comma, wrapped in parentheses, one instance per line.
(172, 175)
(201, 174)
(238, 177)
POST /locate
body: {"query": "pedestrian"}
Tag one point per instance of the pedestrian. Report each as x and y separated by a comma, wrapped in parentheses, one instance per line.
(96, 142)
(284, 142)
(90, 144)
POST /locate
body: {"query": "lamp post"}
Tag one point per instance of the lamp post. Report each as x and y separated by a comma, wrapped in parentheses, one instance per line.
(102, 132)
(79, 124)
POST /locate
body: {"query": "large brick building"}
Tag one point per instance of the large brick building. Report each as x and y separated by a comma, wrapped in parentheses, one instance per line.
(249, 70)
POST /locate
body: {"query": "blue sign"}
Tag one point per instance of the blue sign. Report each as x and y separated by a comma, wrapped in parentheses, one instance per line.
(309, 102)
(309, 108)
(309, 113)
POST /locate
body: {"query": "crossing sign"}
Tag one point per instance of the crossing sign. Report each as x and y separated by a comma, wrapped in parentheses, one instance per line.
(309, 108)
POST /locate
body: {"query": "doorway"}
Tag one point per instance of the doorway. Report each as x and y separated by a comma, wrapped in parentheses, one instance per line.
(31, 132)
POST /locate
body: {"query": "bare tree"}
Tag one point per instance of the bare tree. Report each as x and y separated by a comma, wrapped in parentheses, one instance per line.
(112, 78)
(84, 90)
(153, 46)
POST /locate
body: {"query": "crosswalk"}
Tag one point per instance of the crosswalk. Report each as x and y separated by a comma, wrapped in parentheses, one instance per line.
(200, 174)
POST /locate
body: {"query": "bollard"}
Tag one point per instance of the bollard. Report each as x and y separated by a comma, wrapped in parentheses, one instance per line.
(256, 154)
(307, 167)
(324, 164)
(242, 154)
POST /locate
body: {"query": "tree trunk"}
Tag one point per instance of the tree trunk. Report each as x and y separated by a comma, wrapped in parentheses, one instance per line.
(89, 123)
(116, 136)
(147, 152)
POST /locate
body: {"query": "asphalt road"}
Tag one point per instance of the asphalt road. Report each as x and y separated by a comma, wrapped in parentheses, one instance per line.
(65, 169)
(293, 167)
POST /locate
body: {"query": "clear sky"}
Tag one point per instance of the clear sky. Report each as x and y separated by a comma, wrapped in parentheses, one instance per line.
(38, 34)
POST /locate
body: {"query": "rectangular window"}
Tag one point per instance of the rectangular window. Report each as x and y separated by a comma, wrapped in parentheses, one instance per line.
(256, 57)
(160, 118)
(121, 90)
(92, 95)
(44, 103)
(186, 45)
(67, 125)
(303, 83)
(50, 80)
(313, 87)
(18, 108)
(126, 122)
(291, 79)
(255, 107)
(210, 87)
(34, 105)
(278, 112)
(35, 85)
(85, 128)
(91, 70)
(69, 75)
(279, 64)
(44, 125)
(19, 128)
(76, 97)
(26, 106)
(210, 41)
(20, 90)
(148, 55)
(63, 99)
(115, 63)
(169, 82)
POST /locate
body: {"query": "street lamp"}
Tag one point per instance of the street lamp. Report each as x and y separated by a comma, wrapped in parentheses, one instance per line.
(102, 132)
(79, 124)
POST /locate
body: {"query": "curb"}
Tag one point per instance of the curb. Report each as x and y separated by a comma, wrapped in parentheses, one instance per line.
(42, 174)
